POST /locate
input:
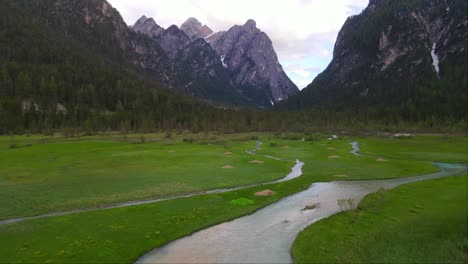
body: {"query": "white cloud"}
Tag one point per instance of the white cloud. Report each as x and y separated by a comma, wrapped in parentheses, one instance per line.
(299, 29)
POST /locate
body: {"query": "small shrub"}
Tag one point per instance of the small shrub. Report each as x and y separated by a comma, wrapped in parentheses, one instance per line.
(312, 138)
(273, 144)
(13, 146)
(241, 202)
(189, 140)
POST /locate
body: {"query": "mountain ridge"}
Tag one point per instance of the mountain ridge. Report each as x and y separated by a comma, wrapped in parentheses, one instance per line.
(396, 57)
(248, 53)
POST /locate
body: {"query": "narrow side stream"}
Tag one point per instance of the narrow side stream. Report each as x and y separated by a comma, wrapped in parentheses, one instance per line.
(296, 171)
(356, 149)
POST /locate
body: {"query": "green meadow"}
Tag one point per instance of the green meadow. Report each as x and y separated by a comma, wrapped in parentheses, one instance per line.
(423, 222)
(56, 174)
(37, 177)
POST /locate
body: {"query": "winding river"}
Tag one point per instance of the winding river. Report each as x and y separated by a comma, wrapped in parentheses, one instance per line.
(268, 235)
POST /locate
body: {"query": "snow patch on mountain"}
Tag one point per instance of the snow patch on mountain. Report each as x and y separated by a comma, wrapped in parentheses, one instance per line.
(435, 59)
(223, 61)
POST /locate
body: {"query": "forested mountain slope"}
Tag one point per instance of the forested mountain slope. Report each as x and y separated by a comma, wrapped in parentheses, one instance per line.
(56, 72)
(399, 60)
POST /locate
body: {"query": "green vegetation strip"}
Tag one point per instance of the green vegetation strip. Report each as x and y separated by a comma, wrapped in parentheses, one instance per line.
(121, 235)
(441, 148)
(423, 222)
(40, 178)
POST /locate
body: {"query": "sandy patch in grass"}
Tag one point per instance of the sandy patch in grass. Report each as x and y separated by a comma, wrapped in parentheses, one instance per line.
(334, 157)
(381, 160)
(265, 193)
(341, 176)
(172, 151)
(331, 148)
(228, 153)
(228, 167)
(256, 161)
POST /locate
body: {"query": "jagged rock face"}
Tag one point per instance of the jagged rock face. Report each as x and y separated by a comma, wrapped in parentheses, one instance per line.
(190, 66)
(94, 20)
(152, 58)
(195, 30)
(384, 55)
(148, 27)
(173, 40)
(200, 73)
(248, 54)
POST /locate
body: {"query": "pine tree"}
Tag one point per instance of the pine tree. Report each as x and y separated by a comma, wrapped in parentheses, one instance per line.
(6, 84)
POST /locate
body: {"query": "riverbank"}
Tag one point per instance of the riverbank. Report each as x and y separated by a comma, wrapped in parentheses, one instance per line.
(423, 222)
(267, 235)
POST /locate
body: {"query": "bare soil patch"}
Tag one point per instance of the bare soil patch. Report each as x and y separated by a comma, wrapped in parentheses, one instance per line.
(341, 176)
(256, 162)
(265, 193)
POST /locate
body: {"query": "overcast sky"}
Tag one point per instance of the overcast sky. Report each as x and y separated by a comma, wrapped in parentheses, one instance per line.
(303, 31)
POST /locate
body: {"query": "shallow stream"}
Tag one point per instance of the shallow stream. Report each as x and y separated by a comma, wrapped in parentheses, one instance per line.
(268, 235)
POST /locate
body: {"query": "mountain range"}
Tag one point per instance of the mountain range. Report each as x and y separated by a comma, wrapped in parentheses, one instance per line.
(403, 58)
(240, 62)
(67, 62)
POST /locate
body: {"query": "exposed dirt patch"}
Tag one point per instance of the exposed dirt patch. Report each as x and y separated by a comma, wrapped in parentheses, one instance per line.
(265, 193)
(228, 167)
(341, 176)
(256, 162)
(334, 157)
(227, 153)
(381, 160)
(286, 147)
(331, 148)
(172, 151)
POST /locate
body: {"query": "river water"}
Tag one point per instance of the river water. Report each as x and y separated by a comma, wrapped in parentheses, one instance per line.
(268, 235)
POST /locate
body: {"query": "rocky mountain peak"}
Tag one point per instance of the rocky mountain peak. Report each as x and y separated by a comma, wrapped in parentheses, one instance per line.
(248, 54)
(141, 20)
(172, 40)
(387, 53)
(195, 30)
(251, 24)
(148, 27)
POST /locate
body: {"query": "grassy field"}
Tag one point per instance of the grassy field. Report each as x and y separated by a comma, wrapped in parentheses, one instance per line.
(441, 148)
(330, 160)
(424, 222)
(77, 174)
(121, 235)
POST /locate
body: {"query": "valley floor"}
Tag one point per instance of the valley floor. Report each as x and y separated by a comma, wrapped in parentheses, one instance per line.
(41, 175)
(423, 222)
